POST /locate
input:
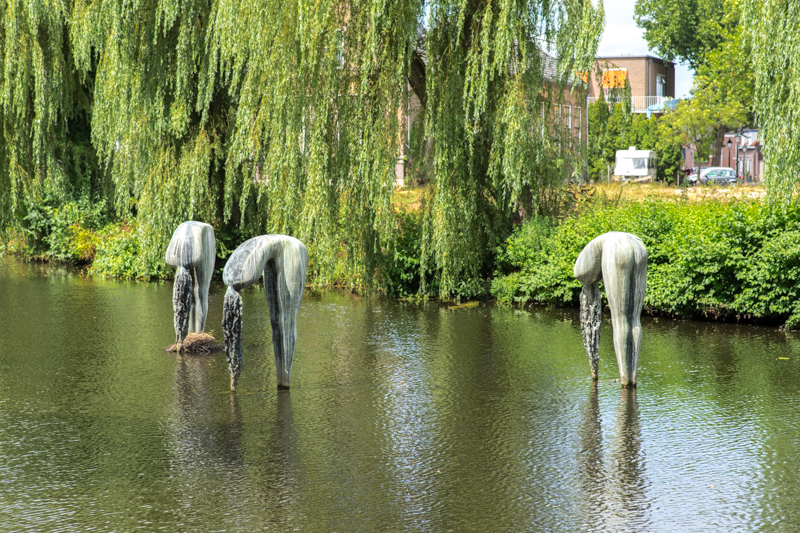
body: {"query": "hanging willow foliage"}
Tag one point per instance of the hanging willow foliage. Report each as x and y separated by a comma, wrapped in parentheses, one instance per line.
(773, 32)
(287, 116)
(44, 130)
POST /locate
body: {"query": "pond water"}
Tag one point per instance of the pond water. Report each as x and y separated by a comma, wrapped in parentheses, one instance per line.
(401, 417)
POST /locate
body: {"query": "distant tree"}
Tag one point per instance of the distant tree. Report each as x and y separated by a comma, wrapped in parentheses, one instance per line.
(708, 36)
(683, 30)
(598, 143)
(691, 125)
(724, 83)
(670, 157)
(618, 129)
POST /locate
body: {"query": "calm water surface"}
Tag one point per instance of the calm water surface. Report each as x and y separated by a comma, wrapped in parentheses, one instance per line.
(401, 417)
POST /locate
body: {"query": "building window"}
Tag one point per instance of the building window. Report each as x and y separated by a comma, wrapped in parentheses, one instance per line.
(579, 120)
(661, 85)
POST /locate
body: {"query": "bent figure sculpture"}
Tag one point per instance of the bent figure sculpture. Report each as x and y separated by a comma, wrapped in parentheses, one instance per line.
(621, 260)
(192, 251)
(282, 261)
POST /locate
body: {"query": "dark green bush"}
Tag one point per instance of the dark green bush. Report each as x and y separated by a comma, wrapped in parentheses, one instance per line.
(712, 259)
(63, 231)
(401, 273)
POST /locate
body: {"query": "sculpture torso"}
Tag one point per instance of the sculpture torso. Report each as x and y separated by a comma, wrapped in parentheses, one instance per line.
(248, 262)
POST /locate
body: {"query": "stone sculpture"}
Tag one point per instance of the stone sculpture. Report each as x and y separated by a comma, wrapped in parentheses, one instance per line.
(621, 260)
(192, 251)
(282, 261)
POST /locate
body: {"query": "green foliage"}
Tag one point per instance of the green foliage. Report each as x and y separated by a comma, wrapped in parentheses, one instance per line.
(401, 274)
(72, 232)
(119, 255)
(682, 30)
(284, 116)
(726, 80)
(490, 115)
(44, 115)
(670, 158)
(692, 124)
(534, 265)
(600, 143)
(712, 259)
(709, 36)
(772, 31)
(62, 231)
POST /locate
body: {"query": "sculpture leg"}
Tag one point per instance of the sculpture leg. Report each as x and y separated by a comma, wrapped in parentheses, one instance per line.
(200, 298)
(193, 310)
(591, 310)
(284, 282)
(624, 277)
(203, 273)
(182, 303)
(232, 331)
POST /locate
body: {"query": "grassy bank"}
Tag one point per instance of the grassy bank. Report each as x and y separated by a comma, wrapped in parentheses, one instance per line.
(82, 234)
(727, 257)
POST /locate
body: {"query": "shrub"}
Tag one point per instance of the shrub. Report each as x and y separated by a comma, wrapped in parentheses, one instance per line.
(71, 235)
(119, 255)
(712, 259)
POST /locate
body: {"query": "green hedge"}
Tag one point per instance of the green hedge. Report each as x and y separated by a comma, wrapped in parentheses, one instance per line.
(712, 259)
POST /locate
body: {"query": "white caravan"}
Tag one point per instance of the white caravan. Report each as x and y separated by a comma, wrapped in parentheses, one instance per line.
(635, 165)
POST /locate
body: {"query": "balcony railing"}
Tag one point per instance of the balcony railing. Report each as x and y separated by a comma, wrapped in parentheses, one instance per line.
(639, 104)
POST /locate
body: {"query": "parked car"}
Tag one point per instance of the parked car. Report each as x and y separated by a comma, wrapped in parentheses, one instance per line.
(714, 176)
(691, 179)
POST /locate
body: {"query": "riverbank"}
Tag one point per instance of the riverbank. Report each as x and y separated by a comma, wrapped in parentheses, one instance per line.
(718, 254)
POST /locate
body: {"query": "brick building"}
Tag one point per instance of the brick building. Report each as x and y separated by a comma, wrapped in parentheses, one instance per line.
(651, 80)
(744, 155)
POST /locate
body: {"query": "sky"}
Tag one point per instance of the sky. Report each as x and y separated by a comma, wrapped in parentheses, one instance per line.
(623, 37)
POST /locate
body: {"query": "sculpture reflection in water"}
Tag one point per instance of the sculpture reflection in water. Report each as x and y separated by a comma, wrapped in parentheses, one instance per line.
(206, 428)
(202, 430)
(192, 251)
(615, 487)
(620, 259)
(282, 261)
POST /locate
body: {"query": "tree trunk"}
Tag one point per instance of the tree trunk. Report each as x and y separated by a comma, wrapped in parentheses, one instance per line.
(417, 78)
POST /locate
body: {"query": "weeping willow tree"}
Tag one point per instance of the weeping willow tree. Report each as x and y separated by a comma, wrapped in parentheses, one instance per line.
(494, 96)
(45, 151)
(773, 34)
(288, 116)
